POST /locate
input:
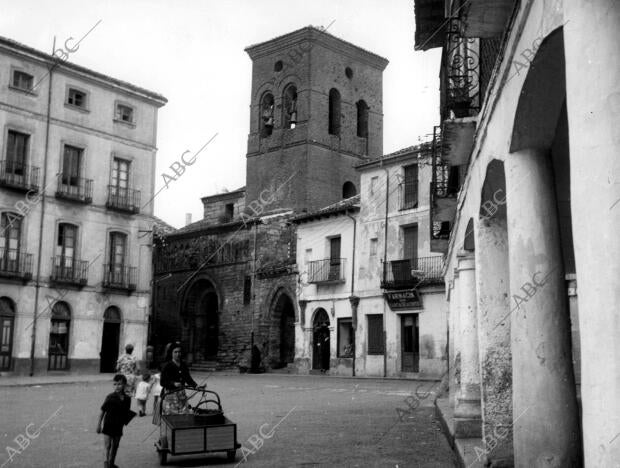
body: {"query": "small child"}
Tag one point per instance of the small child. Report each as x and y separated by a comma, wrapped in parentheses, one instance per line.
(156, 390)
(115, 413)
(142, 393)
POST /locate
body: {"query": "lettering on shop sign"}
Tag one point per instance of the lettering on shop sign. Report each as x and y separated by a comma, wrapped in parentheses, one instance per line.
(409, 299)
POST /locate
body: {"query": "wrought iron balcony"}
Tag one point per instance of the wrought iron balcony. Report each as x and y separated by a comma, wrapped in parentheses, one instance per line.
(445, 185)
(119, 277)
(123, 199)
(459, 75)
(18, 176)
(75, 188)
(15, 264)
(68, 270)
(329, 270)
(409, 273)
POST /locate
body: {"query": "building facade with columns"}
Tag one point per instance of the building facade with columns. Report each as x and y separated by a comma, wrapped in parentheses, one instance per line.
(77, 172)
(529, 134)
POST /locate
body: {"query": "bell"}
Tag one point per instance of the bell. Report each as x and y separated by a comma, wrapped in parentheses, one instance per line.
(293, 117)
(269, 122)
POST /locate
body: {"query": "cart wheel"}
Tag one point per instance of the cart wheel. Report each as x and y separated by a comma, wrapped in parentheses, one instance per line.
(230, 455)
(163, 457)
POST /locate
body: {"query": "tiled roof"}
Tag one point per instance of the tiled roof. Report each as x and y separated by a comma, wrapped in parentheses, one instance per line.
(338, 207)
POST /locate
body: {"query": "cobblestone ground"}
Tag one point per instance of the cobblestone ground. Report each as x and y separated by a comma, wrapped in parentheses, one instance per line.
(323, 422)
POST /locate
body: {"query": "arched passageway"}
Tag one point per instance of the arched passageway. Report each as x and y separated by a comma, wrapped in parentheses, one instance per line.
(201, 321)
(320, 341)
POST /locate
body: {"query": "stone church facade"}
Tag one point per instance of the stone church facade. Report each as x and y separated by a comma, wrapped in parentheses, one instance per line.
(229, 281)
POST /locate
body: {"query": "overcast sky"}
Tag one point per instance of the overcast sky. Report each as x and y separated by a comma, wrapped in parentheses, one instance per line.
(192, 52)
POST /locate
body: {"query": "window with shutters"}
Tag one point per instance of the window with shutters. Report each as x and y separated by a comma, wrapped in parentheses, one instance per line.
(375, 334)
(16, 153)
(71, 164)
(22, 80)
(409, 188)
(410, 244)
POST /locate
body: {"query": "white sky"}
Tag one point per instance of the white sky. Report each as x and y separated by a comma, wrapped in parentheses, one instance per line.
(191, 51)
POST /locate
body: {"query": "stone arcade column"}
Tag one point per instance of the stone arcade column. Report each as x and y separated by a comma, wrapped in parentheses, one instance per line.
(492, 276)
(593, 106)
(545, 417)
(467, 414)
(455, 350)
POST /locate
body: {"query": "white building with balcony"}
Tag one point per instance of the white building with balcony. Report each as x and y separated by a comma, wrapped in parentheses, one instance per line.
(402, 312)
(77, 173)
(324, 336)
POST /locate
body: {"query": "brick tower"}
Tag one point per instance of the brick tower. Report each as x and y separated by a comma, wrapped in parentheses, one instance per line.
(316, 111)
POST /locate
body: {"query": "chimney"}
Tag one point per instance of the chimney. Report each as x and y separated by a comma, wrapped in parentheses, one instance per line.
(188, 218)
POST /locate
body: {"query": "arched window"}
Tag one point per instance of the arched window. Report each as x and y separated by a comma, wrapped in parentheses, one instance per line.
(265, 123)
(334, 112)
(112, 314)
(348, 190)
(7, 319)
(59, 337)
(362, 119)
(10, 235)
(289, 107)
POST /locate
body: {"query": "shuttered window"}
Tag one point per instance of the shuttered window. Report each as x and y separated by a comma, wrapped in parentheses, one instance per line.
(375, 334)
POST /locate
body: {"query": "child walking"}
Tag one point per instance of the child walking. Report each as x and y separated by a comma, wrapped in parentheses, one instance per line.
(115, 413)
(142, 393)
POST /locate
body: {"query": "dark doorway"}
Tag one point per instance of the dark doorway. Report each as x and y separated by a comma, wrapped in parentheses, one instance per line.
(59, 337)
(110, 339)
(321, 341)
(7, 319)
(201, 322)
(206, 328)
(287, 330)
(410, 339)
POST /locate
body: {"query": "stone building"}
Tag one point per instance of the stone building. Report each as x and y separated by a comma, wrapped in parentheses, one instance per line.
(530, 119)
(77, 165)
(228, 282)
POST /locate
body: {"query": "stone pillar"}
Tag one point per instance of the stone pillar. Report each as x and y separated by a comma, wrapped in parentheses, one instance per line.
(593, 106)
(455, 357)
(467, 415)
(545, 417)
(492, 278)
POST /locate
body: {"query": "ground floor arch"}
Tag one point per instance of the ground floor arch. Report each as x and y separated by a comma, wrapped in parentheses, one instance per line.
(110, 339)
(201, 323)
(320, 340)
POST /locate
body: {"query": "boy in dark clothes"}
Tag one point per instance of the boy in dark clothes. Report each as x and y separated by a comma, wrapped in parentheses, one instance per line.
(115, 413)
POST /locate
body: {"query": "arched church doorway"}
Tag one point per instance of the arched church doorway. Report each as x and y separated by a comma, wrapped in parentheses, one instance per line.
(201, 321)
(320, 341)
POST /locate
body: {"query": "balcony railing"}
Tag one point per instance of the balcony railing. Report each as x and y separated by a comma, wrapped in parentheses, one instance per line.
(119, 277)
(460, 74)
(69, 270)
(409, 273)
(329, 270)
(75, 188)
(123, 199)
(408, 195)
(15, 264)
(19, 176)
